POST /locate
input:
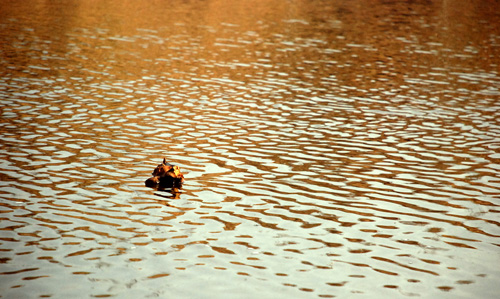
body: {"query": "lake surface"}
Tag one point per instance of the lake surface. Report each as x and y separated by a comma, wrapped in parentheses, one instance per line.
(330, 149)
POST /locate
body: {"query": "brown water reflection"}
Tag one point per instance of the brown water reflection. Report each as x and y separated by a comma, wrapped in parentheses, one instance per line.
(330, 148)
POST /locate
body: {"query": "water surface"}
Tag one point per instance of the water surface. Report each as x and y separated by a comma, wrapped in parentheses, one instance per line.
(330, 149)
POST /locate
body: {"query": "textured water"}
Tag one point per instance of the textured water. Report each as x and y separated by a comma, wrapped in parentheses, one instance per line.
(330, 149)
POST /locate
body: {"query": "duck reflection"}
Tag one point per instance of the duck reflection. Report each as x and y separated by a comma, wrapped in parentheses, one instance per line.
(173, 193)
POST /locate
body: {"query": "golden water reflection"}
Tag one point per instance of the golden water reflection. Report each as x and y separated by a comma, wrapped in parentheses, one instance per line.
(330, 148)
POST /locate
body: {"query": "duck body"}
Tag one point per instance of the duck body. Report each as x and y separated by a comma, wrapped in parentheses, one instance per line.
(166, 175)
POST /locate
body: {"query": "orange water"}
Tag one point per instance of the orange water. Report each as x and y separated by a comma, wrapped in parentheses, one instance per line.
(330, 149)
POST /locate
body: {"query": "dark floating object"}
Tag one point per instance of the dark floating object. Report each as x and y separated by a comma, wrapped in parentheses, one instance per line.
(166, 175)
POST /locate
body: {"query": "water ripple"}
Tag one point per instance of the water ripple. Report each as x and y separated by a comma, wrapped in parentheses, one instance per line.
(322, 157)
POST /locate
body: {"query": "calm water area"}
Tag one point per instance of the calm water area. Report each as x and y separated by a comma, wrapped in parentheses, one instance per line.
(346, 149)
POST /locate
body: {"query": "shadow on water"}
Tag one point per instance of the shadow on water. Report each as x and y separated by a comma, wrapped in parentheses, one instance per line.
(330, 149)
(169, 193)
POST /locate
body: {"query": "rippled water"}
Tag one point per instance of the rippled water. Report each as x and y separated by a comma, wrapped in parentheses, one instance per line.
(330, 149)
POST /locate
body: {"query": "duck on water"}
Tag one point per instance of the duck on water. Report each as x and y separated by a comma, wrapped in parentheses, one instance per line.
(166, 175)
